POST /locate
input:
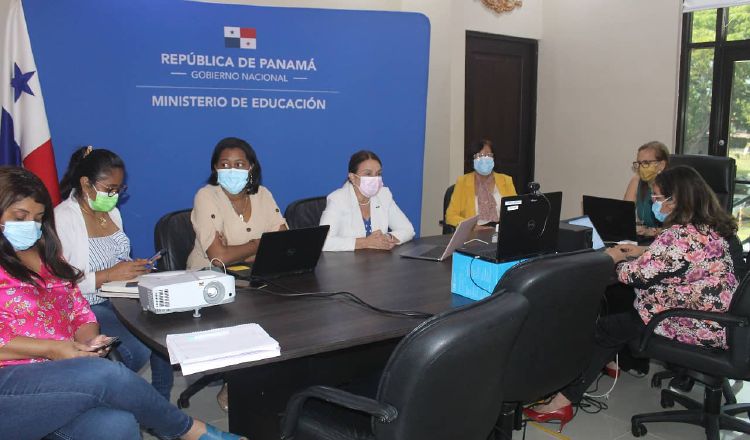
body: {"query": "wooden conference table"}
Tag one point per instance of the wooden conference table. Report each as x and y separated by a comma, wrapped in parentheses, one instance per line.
(323, 340)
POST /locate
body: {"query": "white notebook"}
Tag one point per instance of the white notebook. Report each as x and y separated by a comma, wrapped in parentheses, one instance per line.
(221, 347)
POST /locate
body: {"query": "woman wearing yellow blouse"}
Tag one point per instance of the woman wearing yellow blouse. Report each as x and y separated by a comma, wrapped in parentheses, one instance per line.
(479, 191)
(233, 210)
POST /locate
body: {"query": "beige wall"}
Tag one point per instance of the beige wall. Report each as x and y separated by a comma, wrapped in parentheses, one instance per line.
(607, 83)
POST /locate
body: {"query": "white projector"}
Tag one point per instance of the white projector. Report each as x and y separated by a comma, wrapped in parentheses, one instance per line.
(180, 290)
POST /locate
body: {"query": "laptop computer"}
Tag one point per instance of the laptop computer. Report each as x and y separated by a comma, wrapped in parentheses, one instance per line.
(614, 219)
(283, 253)
(529, 225)
(439, 253)
(584, 220)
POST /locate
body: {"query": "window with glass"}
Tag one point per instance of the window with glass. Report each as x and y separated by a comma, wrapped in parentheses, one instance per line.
(714, 105)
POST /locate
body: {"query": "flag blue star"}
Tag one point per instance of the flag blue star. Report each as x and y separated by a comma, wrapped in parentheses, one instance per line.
(20, 82)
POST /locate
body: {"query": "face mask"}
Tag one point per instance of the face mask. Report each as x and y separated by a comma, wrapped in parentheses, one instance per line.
(369, 185)
(103, 202)
(648, 174)
(484, 165)
(22, 235)
(233, 180)
(656, 209)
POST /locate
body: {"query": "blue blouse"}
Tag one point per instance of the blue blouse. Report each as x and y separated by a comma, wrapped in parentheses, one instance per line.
(643, 208)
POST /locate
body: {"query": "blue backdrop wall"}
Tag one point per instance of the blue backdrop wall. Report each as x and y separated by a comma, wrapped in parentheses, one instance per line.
(161, 81)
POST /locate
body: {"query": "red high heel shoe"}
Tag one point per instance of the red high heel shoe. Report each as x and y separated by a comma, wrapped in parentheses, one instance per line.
(563, 415)
(614, 373)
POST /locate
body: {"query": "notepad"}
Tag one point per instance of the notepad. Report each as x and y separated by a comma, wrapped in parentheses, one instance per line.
(119, 289)
(221, 347)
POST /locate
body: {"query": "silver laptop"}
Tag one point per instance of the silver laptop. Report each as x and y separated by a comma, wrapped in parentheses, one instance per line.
(438, 253)
(584, 220)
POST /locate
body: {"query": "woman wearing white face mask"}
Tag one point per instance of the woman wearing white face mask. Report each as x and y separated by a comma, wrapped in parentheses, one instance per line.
(233, 210)
(362, 214)
(480, 191)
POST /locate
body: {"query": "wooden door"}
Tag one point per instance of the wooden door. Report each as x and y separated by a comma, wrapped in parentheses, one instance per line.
(501, 101)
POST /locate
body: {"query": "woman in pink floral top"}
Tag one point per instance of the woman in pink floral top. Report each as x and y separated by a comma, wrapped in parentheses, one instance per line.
(53, 383)
(687, 266)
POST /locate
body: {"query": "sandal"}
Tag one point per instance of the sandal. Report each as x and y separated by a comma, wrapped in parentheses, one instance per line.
(222, 398)
(214, 433)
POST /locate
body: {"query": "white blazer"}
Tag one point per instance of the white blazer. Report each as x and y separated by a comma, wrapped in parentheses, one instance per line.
(343, 215)
(71, 227)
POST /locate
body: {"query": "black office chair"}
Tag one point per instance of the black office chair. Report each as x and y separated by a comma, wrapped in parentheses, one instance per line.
(718, 172)
(305, 213)
(553, 347)
(712, 367)
(442, 382)
(447, 229)
(175, 234)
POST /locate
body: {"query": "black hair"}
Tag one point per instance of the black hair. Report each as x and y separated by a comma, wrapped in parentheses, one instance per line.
(17, 184)
(254, 178)
(361, 156)
(474, 148)
(95, 164)
(694, 201)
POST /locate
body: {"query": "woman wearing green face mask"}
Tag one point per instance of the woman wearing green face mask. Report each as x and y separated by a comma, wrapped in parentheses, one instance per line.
(94, 242)
(652, 159)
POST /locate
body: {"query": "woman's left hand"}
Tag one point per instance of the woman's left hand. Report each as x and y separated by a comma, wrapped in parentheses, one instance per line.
(100, 341)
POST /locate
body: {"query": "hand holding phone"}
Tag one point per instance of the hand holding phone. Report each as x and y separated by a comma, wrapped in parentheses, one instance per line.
(150, 262)
(108, 343)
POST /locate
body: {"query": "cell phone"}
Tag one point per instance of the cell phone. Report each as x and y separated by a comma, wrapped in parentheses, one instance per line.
(150, 262)
(109, 343)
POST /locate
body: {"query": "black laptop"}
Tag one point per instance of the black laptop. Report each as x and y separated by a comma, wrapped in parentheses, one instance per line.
(529, 225)
(614, 219)
(283, 253)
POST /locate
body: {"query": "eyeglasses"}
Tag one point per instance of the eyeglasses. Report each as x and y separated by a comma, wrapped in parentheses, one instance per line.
(480, 155)
(659, 197)
(111, 191)
(644, 164)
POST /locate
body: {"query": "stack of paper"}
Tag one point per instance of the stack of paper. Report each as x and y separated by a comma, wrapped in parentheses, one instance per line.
(119, 289)
(217, 348)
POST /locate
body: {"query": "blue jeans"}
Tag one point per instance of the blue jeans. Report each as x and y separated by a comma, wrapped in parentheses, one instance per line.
(83, 398)
(135, 353)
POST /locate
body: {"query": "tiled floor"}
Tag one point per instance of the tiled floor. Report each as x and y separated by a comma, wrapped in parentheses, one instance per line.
(631, 395)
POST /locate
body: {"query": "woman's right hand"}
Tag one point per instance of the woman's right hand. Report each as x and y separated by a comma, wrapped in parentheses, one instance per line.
(69, 349)
(127, 270)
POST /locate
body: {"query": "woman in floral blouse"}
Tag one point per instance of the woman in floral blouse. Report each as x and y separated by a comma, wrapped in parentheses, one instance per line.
(53, 382)
(687, 266)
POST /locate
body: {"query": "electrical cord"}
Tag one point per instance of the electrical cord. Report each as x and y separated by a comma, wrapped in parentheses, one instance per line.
(471, 275)
(348, 295)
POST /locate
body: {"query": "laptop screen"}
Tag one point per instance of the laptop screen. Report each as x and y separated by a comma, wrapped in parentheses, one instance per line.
(586, 221)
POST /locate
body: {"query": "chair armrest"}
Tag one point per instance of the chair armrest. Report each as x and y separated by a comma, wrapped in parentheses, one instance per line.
(384, 412)
(725, 319)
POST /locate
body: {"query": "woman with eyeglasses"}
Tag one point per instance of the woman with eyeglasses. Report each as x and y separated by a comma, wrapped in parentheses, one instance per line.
(689, 265)
(363, 214)
(480, 191)
(652, 159)
(53, 382)
(94, 242)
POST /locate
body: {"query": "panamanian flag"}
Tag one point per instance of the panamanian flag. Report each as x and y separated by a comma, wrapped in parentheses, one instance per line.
(24, 133)
(239, 37)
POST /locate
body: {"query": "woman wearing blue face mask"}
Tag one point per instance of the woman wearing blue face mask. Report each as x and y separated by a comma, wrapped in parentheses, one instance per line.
(53, 383)
(94, 241)
(480, 191)
(233, 210)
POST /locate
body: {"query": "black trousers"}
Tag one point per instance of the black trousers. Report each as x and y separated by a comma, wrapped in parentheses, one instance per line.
(613, 332)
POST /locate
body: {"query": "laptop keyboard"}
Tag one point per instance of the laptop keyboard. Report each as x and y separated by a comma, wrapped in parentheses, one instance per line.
(435, 253)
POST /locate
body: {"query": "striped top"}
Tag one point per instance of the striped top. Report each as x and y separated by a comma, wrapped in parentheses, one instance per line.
(105, 252)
